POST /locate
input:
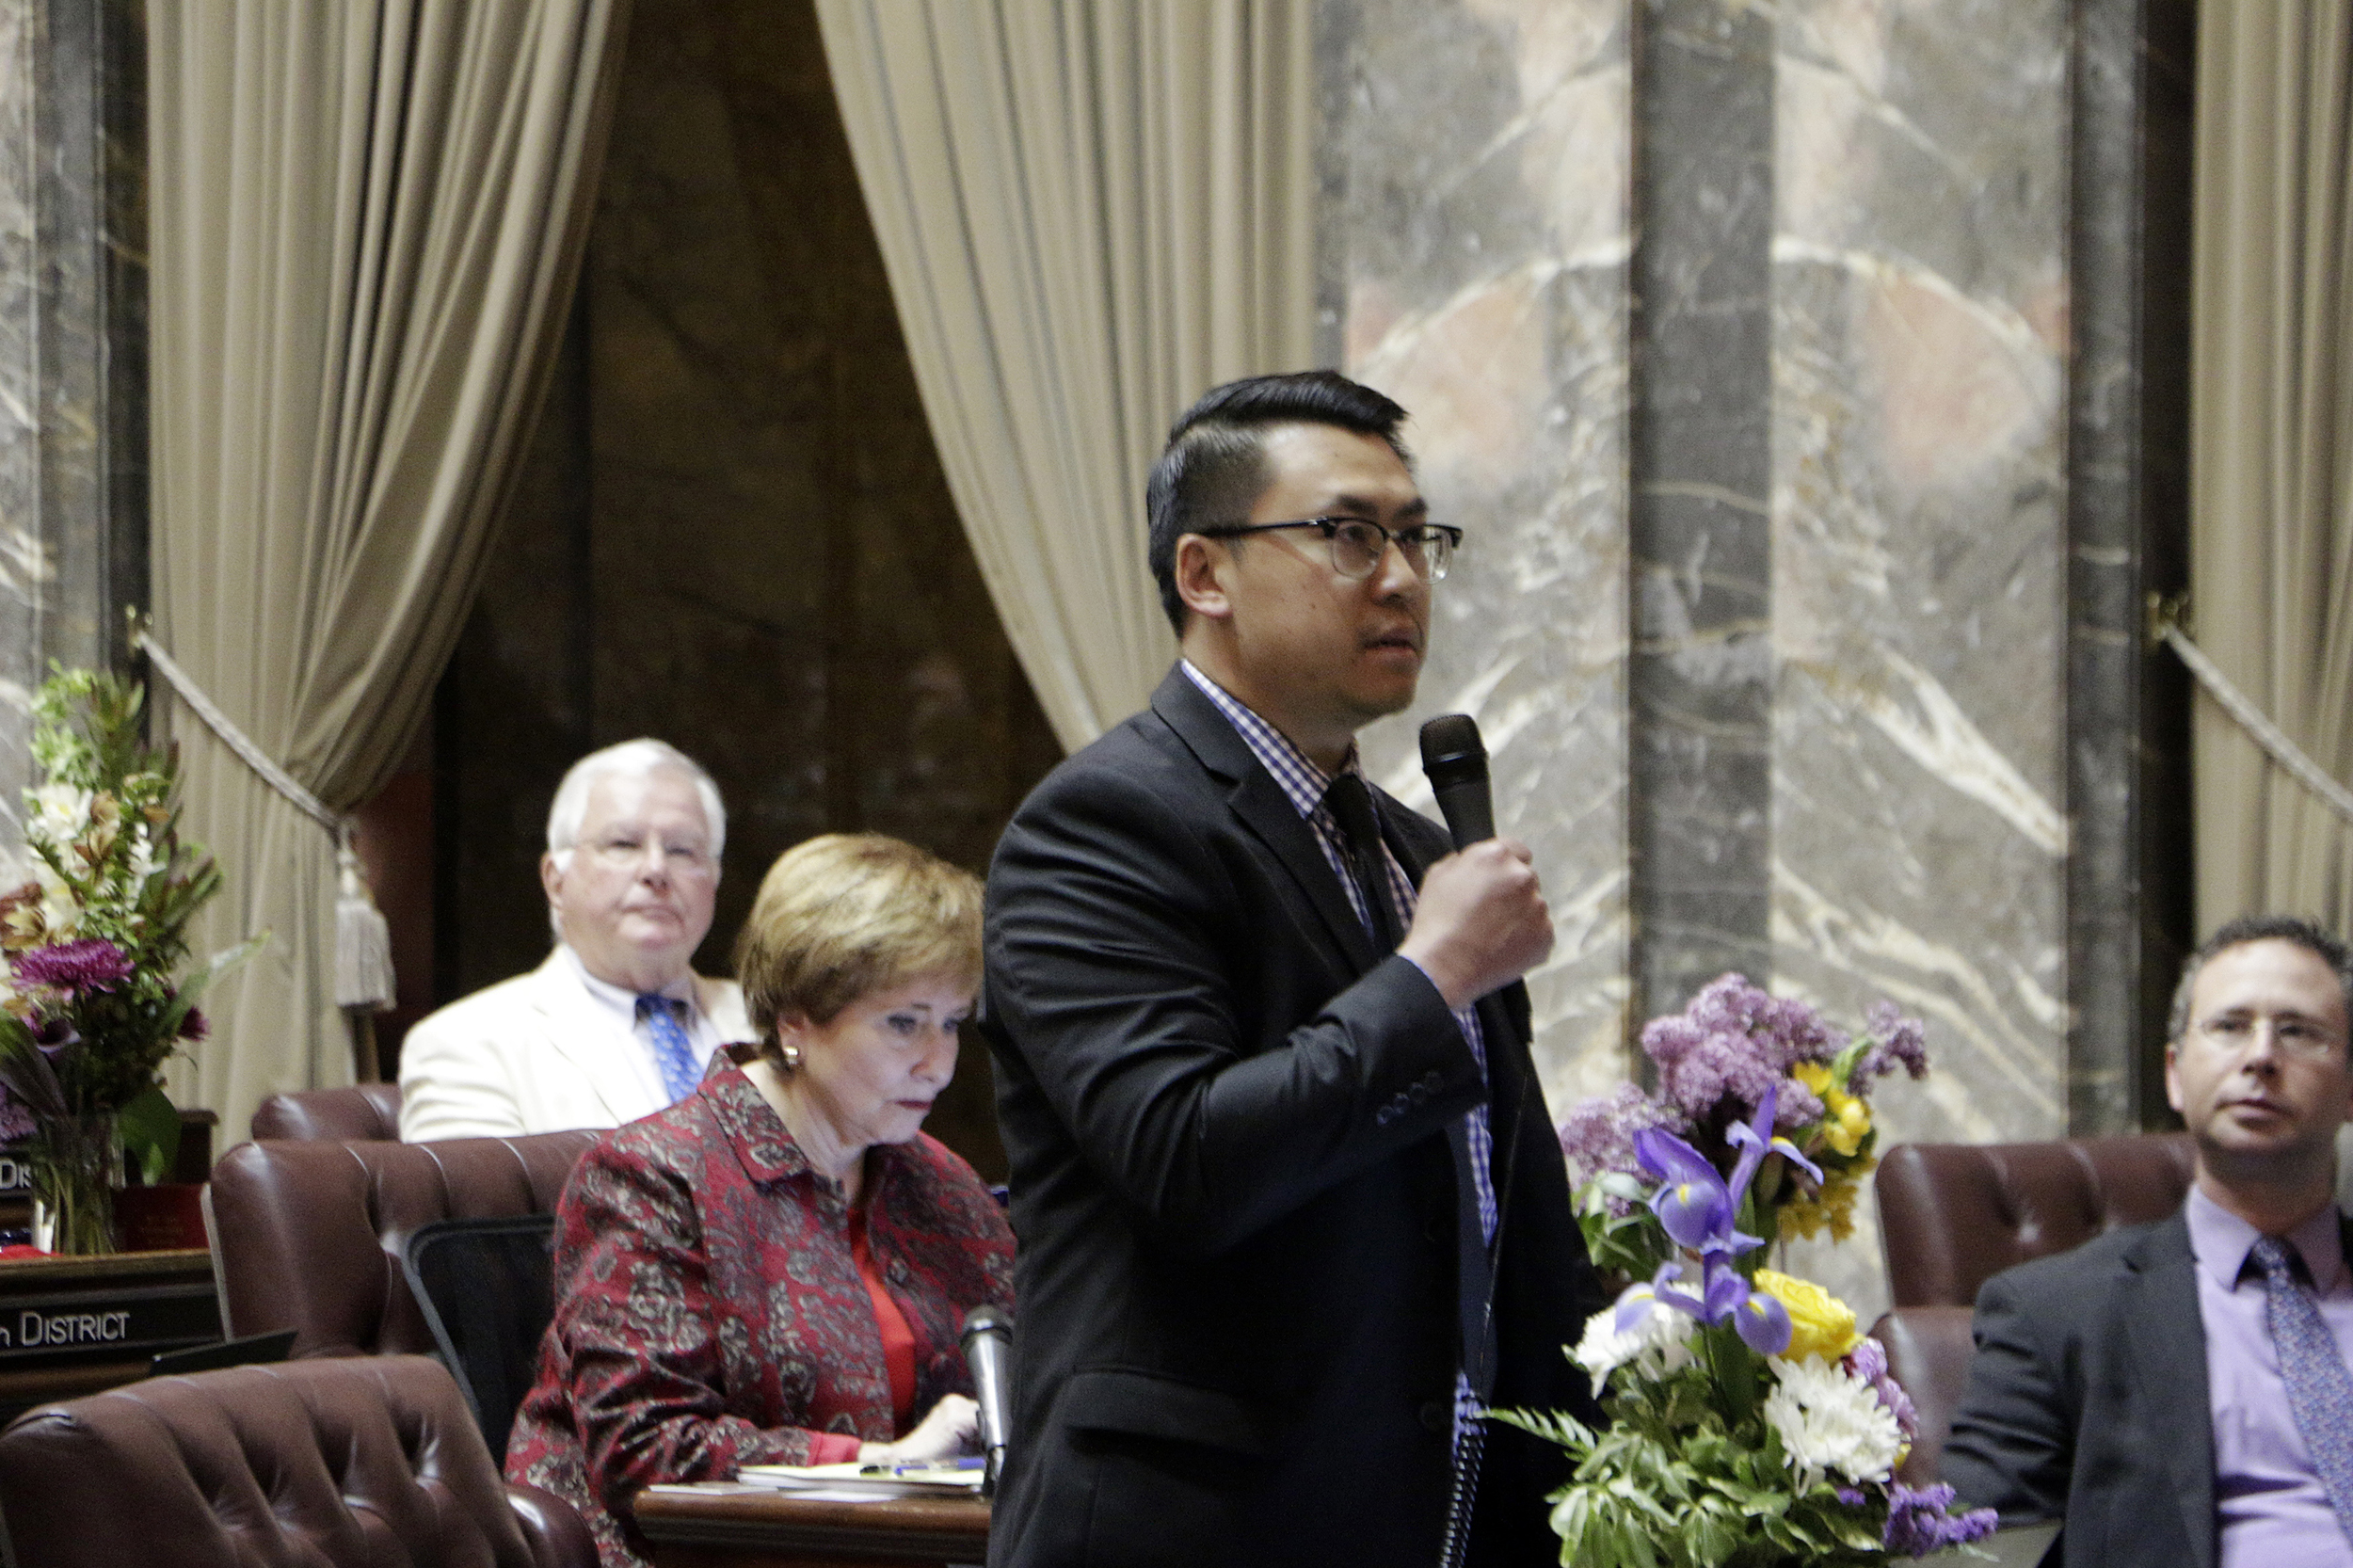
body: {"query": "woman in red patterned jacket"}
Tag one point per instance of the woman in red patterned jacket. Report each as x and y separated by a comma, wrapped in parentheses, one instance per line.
(776, 1269)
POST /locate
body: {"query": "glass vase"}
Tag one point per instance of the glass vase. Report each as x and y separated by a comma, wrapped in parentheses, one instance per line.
(76, 1165)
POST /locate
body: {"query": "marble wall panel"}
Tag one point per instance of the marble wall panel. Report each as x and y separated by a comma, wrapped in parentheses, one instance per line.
(1481, 236)
(1919, 515)
(73, 348)
(24, 558)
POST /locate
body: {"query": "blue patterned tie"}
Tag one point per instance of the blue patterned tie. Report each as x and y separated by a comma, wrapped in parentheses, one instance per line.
(672, 1051)
(2320, 1391)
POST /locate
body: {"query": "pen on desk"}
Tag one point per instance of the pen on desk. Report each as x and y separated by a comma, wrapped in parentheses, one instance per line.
(934, 1466)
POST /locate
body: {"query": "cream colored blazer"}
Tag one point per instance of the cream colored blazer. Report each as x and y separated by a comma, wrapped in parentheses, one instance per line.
(536, 1055)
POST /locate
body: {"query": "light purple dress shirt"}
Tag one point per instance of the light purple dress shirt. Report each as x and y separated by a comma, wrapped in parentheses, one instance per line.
(2269, 1505)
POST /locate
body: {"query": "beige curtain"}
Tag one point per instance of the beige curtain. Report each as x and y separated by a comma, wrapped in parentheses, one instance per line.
(366, 219)
(1092, 211)
(2271, 446)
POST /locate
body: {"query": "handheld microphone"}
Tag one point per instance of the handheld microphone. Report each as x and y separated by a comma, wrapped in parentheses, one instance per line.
(1455, 761)
(987, 1339)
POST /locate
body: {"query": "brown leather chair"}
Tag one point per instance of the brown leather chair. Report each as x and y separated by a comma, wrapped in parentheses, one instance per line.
(344, 1462)
(362, 1113)
(1954, 1215)
(309, 1236)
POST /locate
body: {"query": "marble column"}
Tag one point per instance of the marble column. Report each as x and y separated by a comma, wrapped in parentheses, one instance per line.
(2129, 906)
(24, 558)
(1920, 551)
(1475, 243)
(73, 346)
(1870, 440)
(1701, 668)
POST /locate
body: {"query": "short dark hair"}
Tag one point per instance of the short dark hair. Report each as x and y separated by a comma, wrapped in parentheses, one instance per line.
(1214, 466)
(2308, 935)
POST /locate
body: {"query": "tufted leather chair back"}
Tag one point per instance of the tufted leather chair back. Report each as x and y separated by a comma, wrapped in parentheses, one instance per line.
(1954, 1215)
(309, 1236)
(360, 1112)
(1929, 1350)
(343, 1462)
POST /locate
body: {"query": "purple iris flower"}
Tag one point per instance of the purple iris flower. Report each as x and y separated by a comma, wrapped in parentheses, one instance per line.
(1755, 1139)
(1697, 1207)
(1695, 1204)
(1762, 1323)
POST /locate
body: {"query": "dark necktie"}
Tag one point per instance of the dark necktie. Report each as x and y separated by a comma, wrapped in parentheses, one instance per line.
(1351, 805)
(2320, 1391)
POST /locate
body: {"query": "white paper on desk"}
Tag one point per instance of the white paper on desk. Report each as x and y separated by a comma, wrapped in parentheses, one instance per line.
(802, 1478)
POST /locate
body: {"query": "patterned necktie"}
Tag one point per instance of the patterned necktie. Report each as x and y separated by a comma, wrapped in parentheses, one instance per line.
(672, 1051)
(2320, 1391)
(1351, 805)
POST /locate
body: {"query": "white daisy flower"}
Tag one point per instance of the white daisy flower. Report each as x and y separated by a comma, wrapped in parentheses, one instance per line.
(60, 910)
(142, 857)
(1660, 1340)
(59, 815)
(1831, 1420)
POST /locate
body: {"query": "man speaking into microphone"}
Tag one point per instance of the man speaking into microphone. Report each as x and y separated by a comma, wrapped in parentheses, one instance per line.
(1288, 1203)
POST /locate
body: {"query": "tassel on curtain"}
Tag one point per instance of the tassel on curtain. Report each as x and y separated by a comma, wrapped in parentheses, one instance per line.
(364, 982)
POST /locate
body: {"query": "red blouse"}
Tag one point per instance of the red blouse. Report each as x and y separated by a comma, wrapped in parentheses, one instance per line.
(711, 1309)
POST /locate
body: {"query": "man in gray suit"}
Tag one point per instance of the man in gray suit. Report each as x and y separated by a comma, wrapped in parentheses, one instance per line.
(2179, 1392)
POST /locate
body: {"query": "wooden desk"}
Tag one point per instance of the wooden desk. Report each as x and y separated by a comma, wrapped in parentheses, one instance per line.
(726, 1526)
(70, 1326)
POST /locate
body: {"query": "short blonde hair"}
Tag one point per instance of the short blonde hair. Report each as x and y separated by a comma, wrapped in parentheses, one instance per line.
(844, 915)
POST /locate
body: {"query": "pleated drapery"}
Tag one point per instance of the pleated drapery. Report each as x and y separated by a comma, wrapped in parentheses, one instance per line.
(2271, 446)
(1089, 215)
(367, 219)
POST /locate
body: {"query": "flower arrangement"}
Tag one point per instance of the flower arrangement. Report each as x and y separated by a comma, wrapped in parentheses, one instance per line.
(92, 938)
(1751, 1422)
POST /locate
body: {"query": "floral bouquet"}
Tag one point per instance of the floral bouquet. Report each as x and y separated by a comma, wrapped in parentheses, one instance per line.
(91, 942)
(1750, 1423)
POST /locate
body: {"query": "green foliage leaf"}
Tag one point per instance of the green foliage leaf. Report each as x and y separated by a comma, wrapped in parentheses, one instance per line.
(150, 1126)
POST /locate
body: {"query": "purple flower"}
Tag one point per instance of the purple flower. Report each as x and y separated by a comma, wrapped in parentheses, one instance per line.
(16, 1118)
(1699, 1209)
(1896, 1039)
(1735, 1041)
(1762, 1322)
(1917, 1523)
(193, 1025)
(1598, 1135)
(1755, 1139)
(80, 968)
(1695, 1206)
(1852, 1496)
(1868, 1361)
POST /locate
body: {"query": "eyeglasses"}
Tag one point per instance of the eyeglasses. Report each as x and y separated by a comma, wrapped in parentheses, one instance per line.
(1358, 543)
(2231, 1033)
(622, 852)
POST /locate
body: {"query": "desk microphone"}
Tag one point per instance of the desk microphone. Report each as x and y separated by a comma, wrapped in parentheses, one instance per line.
(987, 1340)
(1455, 761)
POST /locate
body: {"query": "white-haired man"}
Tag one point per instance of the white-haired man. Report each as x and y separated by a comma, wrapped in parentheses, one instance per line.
(614, 1025)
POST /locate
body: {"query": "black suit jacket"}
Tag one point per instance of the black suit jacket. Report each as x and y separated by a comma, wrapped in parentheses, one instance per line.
(2087, 1401)
(1232, 1128)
